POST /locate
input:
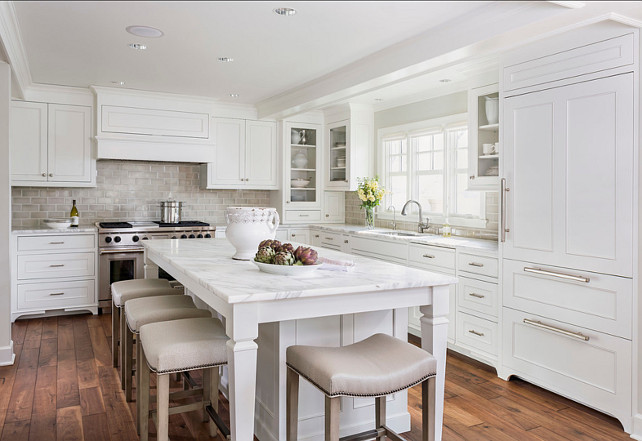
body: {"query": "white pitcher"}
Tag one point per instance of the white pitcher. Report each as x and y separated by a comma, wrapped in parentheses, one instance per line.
(248, 226)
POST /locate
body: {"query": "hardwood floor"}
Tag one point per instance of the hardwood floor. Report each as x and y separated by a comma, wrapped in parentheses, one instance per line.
(62, 387)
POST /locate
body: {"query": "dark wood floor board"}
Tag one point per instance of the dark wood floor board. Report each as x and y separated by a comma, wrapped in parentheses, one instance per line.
(593, 418)
(48, 355)
(43, 427)
(82, 340)
(21, 401)
(65, 336)
(87, 373)
(101, 348)
(18, 331)
(121, 422)
(15, 431)
(91, 401)
(547, 435)
(45, 394)
(7, 378)
(96, 427)
(49, 328)
(33, 334)
(29, 358)
(69, 424)
(67, 382)
(95, 321)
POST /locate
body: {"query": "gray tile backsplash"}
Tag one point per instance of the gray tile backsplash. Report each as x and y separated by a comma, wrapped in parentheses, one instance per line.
(131, 190)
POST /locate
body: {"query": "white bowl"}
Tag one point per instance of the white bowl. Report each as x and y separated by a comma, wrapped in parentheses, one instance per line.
(287, 270)
(57, 223)
(299, 183)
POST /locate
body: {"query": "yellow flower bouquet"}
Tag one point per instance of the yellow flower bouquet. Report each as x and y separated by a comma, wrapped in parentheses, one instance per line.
(370, 193)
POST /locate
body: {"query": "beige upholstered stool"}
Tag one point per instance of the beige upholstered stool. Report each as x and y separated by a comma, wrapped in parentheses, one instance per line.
(375, 367)
(177, 346)
(127, 290)
(141, 311)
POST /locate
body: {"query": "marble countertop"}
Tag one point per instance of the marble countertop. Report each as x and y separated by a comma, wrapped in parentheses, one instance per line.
(209, 263)
(43, 229)
(426, 239)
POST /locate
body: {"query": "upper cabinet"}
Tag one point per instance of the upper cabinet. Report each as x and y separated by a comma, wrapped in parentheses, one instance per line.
(349, 149)
(302, 166)
(483, 138)
(246, 155)
(51, 145)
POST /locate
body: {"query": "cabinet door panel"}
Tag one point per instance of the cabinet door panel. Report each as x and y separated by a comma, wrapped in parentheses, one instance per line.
(260, 154)
(334, 206)
(69, 136)
(228, 168)
(28, 141)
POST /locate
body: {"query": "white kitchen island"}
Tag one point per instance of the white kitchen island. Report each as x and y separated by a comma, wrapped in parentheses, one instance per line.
(325, 308)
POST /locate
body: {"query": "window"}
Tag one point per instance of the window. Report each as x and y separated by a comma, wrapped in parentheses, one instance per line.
(428, 162)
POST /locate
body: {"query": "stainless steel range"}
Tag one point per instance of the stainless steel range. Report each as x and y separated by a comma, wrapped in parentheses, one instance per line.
(121, 249)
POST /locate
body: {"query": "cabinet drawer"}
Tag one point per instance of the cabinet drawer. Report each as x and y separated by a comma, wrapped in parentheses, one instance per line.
(49, 266)
(56, 295)
(330, 239)
(392, 251)
(429, 256)
(57, 242)
(478, 296)
(301, 235)
(298, 216)
(602, 303)
(597, 374)
(483, 265)
(477, 333)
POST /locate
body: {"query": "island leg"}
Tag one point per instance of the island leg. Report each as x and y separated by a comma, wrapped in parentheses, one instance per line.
(434, 339)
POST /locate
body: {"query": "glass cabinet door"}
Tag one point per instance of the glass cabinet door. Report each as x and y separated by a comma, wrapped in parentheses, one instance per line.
(303, 164)
(338, 157)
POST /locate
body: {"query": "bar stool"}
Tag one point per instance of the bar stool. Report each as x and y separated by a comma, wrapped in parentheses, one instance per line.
(375, 367)
(178, 346)
(127, 290)
(144, 310)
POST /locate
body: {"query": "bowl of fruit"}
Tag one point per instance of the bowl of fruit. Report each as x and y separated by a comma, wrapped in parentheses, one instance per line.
(283, 259)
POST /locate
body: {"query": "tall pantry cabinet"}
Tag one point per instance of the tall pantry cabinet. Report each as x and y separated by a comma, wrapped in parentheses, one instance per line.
(569, 203)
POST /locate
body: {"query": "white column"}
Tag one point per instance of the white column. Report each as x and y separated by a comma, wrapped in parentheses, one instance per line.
(434, 339)
(6, 345)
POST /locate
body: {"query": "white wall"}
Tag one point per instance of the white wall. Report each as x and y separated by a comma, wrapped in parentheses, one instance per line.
(421, 111)
(6, 345)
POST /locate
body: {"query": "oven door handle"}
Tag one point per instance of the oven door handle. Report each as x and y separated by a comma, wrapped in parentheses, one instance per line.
(120, 251)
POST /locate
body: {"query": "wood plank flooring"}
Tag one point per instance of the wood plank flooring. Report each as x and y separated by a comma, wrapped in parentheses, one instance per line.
(63, 388)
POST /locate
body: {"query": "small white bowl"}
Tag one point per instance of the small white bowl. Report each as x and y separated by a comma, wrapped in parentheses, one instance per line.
(299, 183)
(287, 270)
(57, 223)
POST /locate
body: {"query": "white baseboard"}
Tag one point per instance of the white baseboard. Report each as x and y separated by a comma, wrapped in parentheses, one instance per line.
(7, 357)
(636, 433)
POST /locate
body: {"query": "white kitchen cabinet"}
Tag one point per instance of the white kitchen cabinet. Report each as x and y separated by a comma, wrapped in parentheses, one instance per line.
(334, 206)
(51, 145)
(568, 162)
(483, 166)
(246, 155)
(301, 235)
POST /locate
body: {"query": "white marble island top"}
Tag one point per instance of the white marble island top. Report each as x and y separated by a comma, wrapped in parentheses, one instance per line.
(209, 262)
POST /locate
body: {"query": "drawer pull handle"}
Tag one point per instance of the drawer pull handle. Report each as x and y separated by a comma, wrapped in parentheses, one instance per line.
(539, 324)
(329, 238)
(316, 235)
(429, 256)
(477, 264)
(346, 241)
(474, 294)
(478, 334)
(556, 274)
(57, 294)
(56, 243)
(57, 265)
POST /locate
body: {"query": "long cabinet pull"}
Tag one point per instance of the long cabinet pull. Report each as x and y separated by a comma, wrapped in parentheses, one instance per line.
(502, 195)
(556, 274)
(56, 243)
(57, 294)
(429, 256)
(329, 238)
(478, 334)
(539, 324)
(130, 250)
(474, 294)
(478, 265)
(58, 265)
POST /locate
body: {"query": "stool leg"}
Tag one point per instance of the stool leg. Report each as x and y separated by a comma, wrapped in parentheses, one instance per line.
(332, 408)
(123, 345)
(162, 406)
(427, 401)
(127, 364)
(207, 379)
(292, 412)
(143, 409)
(380, 415)
(139, 367)
(213, 397)
(115, 332)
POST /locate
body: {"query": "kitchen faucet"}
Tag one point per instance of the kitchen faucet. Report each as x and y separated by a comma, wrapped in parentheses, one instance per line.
(421, 226)
(394, 217)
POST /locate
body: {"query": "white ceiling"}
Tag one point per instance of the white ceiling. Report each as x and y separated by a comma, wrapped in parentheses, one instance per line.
(85, 43)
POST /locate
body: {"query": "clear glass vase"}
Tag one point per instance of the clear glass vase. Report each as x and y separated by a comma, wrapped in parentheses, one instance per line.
(370, 218)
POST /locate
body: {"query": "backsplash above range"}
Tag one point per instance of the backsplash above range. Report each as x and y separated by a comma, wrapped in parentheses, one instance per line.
(131, 190)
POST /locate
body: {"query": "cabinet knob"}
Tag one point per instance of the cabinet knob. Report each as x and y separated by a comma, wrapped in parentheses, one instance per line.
(51, 175)
(346, 241)
(327, 215)
(44, 174)
(287, 202)
(472, 177)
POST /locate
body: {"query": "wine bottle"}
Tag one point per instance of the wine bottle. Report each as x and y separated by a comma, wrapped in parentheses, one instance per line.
(74, 215)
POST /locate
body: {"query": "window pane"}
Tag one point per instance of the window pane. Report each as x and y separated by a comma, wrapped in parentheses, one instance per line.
(462, 158)
(424, 161)
(395, 164)
(397, 189)
(431, 192)
(468, 202)
(422, 143)
(439, 161)
(393, 147)
(438, 142)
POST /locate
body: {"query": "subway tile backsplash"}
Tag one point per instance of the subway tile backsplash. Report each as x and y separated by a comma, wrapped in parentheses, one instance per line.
(131, 190)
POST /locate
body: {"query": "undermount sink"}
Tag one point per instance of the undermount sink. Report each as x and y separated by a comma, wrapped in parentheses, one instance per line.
(398, 233)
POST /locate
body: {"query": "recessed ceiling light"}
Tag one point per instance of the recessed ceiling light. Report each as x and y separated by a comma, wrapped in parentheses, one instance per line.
(225, 59)
(144, 31)
(118, 83)
(137, 46)
(285, 11)
(445, 80)
(234, 95)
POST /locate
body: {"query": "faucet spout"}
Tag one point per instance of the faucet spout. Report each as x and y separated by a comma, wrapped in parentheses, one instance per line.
(421, 225)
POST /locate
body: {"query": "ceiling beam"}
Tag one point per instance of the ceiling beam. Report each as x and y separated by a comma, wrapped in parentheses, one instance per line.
(11, 40)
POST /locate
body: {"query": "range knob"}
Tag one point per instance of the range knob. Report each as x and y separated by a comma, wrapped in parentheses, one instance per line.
(135, 238)
(199, 236)
(208, 236)
(174, 237)
(183, 236)
(145, 238)
(117, 239)
(108, 239)
(191, 236)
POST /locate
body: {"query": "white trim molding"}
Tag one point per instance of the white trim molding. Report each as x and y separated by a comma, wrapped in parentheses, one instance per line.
(636, 433)
(7, 356)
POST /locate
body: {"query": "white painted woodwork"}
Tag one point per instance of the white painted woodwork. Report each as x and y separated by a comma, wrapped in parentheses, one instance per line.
(604, 303)
(56, 242)
(55, 295)
(394, 252)
(568, 162)
(261, 154)
(431, 256)
(45, 266)
(414, 313)
(28, 141)
(480, 132)
(476, 264)
(596, 372)
(477, 333)
(478, 297)
(228, 167)
(330, 240)
(595, 57)
(141, 121)
(301, 235)
(334, 206)
(282, 235)
(302, 216)
(69, 142)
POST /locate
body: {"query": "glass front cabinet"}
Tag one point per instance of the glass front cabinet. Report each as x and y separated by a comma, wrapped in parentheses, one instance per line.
(483, 153)
(337, 164)
(303, 154)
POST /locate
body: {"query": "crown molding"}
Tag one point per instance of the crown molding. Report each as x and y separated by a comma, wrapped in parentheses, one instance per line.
(14, 48)
(571, 5)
